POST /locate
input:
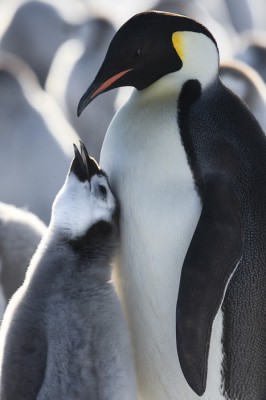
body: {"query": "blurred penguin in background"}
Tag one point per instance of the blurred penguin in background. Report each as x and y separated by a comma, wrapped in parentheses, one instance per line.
(35, 32)
(35, 140)
(74, 61)
(20, 234)
(247, 84)
(252, 51)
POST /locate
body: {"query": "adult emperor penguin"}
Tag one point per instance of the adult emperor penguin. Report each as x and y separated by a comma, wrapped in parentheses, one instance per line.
(187, 161)
(64, 335)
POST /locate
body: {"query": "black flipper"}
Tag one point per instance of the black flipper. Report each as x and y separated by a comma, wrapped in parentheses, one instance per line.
(214, 253)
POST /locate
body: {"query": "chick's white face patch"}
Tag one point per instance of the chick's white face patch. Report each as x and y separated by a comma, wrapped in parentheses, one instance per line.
(79, 205)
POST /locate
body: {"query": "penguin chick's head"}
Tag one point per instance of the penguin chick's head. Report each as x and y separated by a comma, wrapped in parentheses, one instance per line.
(152, 45)
(84, 199)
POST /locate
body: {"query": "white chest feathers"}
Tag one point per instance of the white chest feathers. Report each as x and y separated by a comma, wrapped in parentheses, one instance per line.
(148, 170)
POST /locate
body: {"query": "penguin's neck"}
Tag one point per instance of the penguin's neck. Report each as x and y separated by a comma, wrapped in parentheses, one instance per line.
(169, 86)
(144, 140)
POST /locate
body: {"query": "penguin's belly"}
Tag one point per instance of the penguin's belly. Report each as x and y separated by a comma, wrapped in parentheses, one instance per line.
(148, 170)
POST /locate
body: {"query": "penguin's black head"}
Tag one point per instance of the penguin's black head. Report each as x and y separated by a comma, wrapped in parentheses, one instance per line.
(147, 47)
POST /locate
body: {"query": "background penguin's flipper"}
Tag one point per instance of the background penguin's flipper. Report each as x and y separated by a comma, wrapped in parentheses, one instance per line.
(214, 253)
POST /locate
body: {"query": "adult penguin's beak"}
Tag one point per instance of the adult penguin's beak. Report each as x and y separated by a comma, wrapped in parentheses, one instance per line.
(98, 86)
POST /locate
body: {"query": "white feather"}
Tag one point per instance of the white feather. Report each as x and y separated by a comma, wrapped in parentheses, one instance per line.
(78, 206)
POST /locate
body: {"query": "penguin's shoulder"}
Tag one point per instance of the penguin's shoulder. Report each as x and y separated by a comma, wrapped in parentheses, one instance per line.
(219, 132)
(218, 108)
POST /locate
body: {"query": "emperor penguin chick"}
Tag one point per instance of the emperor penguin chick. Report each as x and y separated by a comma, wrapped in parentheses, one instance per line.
(64, 335)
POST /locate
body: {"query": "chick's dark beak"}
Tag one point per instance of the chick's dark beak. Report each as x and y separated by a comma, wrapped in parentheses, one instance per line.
(83, 166)
(92, 166)
(78, 167)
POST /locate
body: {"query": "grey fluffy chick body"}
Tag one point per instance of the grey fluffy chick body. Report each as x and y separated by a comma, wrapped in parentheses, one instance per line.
(64, 335)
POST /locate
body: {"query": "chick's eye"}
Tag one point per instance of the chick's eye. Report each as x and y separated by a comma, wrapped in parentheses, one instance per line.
(102, 191)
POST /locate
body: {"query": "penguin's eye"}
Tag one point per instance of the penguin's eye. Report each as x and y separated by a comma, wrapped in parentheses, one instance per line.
(102, 191)
(137, 53)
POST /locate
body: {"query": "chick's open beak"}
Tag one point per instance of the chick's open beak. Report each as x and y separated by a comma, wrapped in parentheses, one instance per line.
(83, 166)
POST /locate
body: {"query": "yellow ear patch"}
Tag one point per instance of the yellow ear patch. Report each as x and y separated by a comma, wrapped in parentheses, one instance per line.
(178, 43)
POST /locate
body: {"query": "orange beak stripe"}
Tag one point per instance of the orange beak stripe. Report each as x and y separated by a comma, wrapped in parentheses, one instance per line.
(109, 82)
